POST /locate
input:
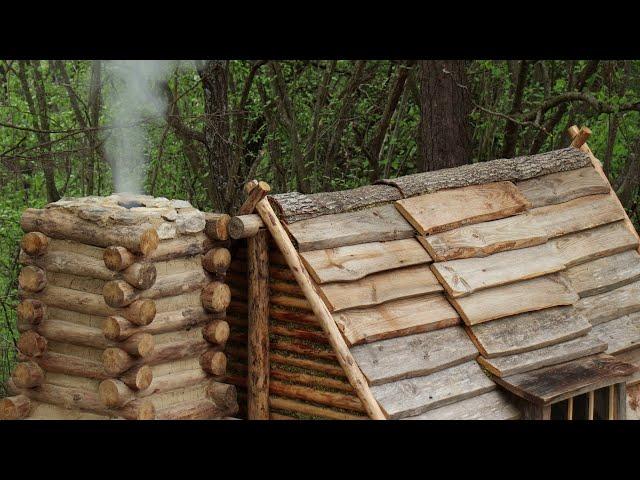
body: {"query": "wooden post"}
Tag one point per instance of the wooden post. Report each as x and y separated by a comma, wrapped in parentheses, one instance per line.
(592, 402)
(346, 360)
(531, 411)
(579, 136)
(570, 408)
(621, 401)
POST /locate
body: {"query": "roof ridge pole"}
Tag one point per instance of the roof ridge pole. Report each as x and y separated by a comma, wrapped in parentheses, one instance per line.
(579, 140)
(346, 360)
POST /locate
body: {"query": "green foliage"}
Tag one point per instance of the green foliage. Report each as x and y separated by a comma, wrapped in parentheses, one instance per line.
(266, 147)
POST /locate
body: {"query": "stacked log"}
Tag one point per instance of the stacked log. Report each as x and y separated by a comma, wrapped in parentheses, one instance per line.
(305, 381)
(123, 312)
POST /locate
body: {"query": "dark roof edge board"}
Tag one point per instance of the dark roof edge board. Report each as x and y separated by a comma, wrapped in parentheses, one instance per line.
(294, 206)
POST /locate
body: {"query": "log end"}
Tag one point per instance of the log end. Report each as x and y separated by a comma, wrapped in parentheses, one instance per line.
(216, 228)
(214, 362)
(216, 332)
(15, 408)
(118, 258)
(142, 344)
(32, 279)
(118, 293)
(141, 275)
(111, 327)
(217, 260)
(31, 311)
(142, 378)
(27, 375)
(145, 410)
(32, 344)
(140, 312)
(116, 360)
(34, 243)
(113, 393)
(216, 297)
(225, 396)
(149, 241)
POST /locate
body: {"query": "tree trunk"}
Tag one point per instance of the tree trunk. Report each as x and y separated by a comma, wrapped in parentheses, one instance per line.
(214, 78)
(445, 137)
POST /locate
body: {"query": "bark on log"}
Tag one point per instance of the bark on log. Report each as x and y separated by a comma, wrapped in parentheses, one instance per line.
(216, 332)
(140, 312)
(283, 315)
(256, 193)
(139, 344)
(138, 378)
(119, 328)
(216, 297)
(15, 408)
(85, 400)
(118, 293)
(258, 325)
(34, 243)
(225, 396)
(311, 410)
(184, 246)
(214, 362)
(173, 381)
(118, 258)
(27, 375)
(31, 311)
(294, 206)
(32, 279)
(300, 303)
(140, 275)
(32, 344)
(71, 365)
(311, 380)
(73, 333)
(116, 361)
(217, 260)
(245, 226)
(331, 399)
(513, 169)
(196, 410)
(216, 225)
(70, 263)
(141, 239)
(325, 318)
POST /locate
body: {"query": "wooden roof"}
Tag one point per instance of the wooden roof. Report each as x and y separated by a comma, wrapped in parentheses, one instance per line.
(448, 283)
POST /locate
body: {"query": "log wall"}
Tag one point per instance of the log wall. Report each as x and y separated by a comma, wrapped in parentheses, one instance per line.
(306, 381)
(122, 313)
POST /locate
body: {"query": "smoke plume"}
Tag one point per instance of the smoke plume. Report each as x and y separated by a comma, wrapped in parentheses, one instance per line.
(133, 101)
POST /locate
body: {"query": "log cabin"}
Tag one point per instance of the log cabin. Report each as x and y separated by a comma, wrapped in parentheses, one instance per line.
(499, 290)
(506, 289)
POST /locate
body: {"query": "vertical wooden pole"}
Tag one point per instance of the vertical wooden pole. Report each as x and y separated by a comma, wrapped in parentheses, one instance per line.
(531, 411)
(591, 397)
(570, 408)
(621, 401)
(258, 321)
(612, 402)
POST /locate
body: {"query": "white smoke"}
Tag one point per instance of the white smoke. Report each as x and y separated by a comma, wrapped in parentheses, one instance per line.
(134, 99)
